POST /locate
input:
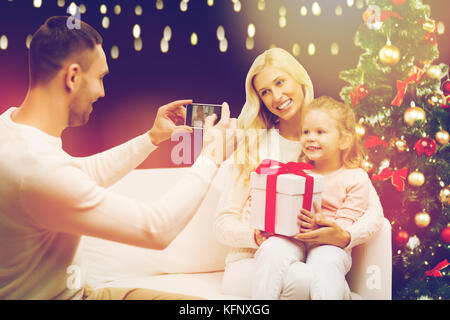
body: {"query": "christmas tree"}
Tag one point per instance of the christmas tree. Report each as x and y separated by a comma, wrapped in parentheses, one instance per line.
(402, 100)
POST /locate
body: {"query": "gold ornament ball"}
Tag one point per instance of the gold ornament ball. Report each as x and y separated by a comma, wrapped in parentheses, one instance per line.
(422, 219)
(400, 145)
(444, 195)
(389, 55)
(414, 114)
(442, 137)
(416, 179)
(434, 72)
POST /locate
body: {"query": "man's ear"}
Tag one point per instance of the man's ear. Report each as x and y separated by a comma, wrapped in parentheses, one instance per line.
(73, 77)
(346, 141)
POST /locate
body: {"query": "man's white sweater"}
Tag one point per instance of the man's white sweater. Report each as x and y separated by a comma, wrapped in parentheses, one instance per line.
(49, 198)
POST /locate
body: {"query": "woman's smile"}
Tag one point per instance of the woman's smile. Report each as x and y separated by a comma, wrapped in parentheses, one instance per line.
(285, 105)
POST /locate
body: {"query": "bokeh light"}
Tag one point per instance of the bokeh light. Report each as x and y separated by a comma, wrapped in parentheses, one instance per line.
(159, 4)
(137, 31)
(105, 22)
(261, 5)
(303, 11)
(103, 9)
(37, 3)
(138, 44)
(3, 42)
(115, 52)
(138, 10)
(220, 33)
(316, 9)
(194, 39)
(117, 9)
(167, 33)
(296, 49)
(164, 45)
(311, 49)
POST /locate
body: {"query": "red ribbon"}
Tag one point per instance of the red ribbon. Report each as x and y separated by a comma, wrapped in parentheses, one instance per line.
(397, 177)
(273, 169)
(414, 75)
(359, 93)
(374, 141)
(436, 271)
(383, 15)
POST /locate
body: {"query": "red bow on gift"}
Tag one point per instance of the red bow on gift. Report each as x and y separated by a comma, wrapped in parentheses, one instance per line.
(273, 169)
(414, 75)
(436, 271)
(397, 177)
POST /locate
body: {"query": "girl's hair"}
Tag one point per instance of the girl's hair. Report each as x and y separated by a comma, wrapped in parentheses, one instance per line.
(346, 125)
(255, 115)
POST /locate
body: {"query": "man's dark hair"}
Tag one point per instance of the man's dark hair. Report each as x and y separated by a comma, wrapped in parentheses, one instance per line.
(54, 42)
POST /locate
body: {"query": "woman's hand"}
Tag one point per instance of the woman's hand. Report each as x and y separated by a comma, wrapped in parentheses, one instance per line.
(328, 232)
(261, 236)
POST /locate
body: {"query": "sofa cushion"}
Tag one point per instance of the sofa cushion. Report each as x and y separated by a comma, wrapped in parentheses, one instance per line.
(194, 250)
(202, 285)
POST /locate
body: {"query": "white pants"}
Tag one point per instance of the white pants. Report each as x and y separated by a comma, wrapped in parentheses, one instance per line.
(281, 270)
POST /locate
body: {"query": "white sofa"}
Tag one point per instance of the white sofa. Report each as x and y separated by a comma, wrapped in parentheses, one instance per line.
(193, 263)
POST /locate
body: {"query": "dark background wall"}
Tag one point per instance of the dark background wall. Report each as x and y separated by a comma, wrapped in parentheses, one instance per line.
(139, 82)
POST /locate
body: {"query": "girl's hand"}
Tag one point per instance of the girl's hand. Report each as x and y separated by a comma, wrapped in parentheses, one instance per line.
(327, 233)
(309, 221)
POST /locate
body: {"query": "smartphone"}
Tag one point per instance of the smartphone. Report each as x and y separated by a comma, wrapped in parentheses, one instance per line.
(196, 113)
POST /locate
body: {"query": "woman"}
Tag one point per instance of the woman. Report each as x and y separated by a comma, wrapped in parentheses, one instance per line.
(277, 87)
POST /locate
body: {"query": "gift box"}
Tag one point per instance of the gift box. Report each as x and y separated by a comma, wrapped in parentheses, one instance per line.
(278, 194)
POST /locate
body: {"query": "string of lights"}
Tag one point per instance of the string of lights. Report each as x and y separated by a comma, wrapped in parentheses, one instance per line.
(109, 12)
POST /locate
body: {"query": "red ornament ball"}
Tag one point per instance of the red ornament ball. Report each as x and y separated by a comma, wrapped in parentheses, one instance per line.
(425, 145)
(445, 235)
(399, 2)
(446, 88)
(359, 93)
(447, 105)
(401, 239)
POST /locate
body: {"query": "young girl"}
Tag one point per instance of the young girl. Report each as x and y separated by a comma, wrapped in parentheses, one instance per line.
(330, 143)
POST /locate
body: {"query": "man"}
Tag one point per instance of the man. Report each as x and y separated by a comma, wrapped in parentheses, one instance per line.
(48, 199)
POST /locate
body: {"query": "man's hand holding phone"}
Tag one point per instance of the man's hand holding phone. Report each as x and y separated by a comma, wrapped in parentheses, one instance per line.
(219, 140)
(169, 120)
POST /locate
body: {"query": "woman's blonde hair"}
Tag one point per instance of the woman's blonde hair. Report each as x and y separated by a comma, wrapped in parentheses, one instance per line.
(353, 155)
(255, 115)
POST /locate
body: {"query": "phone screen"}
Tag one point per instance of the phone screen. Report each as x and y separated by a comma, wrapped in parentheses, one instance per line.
(196, 113)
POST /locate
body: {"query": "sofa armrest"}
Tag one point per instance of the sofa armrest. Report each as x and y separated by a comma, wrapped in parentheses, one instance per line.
(371, 272)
